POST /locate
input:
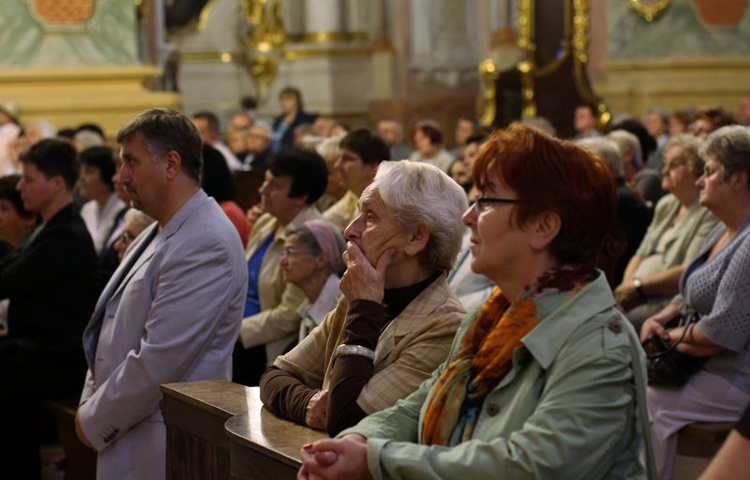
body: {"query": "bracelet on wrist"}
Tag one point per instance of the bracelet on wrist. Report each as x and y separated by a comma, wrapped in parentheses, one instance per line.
(345, 349)
(638, 285)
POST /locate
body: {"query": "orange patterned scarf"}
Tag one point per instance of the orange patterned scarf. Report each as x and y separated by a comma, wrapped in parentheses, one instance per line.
(487, 352)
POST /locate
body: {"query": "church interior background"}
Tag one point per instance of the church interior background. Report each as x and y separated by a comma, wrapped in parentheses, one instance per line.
(74, 61)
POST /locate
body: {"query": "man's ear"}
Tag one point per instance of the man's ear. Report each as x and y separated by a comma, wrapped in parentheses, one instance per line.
(417, 241)
(544, 228)
(59, 182)
(173, 164)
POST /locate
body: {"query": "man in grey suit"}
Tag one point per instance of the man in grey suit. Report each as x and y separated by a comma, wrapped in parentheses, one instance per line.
(172, 310)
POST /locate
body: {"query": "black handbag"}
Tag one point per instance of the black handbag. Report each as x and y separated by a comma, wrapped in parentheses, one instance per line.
(668, 367)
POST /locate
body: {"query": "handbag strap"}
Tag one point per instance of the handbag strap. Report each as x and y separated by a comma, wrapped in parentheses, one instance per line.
(686, 321)
(639, 375)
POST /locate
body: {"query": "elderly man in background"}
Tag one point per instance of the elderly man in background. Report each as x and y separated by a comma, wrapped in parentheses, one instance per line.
(258, 143)
(171, 311)
(392, 133)
(644, 181)
(397, 317)
(207, 124)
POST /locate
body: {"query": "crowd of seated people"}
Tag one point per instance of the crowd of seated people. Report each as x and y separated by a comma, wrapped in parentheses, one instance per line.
(397, 317)
(318, 174)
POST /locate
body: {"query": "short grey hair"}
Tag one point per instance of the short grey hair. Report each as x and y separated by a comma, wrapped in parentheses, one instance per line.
(329, 148)
(164, 130)
(396, 124)
(730, 146)
(542, 124)
(608, 150)
(422, 194)
(88, 139)
(691, 147)
(137, 219)
(628, 143)
(660, 112)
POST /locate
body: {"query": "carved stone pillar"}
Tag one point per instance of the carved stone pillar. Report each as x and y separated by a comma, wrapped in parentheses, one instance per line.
(323, 21)
(444, 48)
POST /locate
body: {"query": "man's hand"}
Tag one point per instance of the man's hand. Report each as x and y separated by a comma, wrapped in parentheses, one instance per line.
(362, 280)
(82, 436)
(317, 410)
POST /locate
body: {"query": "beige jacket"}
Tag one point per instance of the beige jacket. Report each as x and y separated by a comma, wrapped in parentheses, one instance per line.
(277, 324)
(408, 350)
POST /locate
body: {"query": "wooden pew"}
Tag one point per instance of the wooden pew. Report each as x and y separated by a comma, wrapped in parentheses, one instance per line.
(264, 446)
(217, 429)
(697, 444)
(81, 459)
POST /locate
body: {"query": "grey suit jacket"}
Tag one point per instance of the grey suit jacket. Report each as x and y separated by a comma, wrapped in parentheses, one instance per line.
(174, 317)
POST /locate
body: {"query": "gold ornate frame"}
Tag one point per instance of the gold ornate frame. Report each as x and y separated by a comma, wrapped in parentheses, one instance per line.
(577, 17)
(650, 11)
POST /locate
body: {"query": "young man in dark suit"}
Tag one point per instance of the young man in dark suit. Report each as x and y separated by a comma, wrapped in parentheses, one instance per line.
(51, 285)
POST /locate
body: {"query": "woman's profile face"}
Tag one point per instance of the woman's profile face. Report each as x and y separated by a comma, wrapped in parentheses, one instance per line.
(376, 229)
(297, 262)
(675, 174)
(498, 245)
(714, 189)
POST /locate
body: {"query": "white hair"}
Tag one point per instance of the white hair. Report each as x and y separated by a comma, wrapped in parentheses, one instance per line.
(87, 138)
(628, 143)
(46, 129)
(608, 150)
(329, 148)
(422, 194)
(137, 219)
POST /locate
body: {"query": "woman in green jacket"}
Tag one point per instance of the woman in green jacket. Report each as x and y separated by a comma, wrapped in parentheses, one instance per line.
(540, 381)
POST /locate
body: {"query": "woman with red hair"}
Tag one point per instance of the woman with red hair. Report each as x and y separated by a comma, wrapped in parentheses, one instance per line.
(540, 380)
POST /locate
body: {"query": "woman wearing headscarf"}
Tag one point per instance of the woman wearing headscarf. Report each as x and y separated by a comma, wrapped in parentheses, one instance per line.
(312, 261)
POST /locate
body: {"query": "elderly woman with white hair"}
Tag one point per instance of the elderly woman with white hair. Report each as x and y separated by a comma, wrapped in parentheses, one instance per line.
(397, 317)
(135, 222)
(312, 261)
(715, 287)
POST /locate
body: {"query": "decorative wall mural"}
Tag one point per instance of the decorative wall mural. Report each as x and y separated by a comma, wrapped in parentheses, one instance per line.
(64, 33)
(687, 28)
(720, 13)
